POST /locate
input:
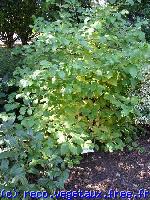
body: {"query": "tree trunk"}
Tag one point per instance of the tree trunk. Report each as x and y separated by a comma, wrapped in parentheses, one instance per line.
(24, 39)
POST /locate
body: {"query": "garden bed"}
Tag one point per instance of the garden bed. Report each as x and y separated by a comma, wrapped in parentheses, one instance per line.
(122, 171)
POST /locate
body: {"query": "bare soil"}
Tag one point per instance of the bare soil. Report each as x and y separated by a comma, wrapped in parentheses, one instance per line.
(121, 171)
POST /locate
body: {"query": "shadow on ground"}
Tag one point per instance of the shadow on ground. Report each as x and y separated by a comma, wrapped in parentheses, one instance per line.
(122, 171)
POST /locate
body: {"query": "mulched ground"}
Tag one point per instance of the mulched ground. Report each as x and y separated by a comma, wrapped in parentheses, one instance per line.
(122, 171)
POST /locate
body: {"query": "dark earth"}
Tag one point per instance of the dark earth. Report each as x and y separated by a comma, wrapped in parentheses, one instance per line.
(121, 171)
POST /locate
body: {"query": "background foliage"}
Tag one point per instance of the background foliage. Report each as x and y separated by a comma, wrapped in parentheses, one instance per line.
(8, 62)
(15, 17)
(137, 10)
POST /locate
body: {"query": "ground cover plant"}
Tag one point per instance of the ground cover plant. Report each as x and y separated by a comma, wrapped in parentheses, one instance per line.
(8, 62)
(75, 91)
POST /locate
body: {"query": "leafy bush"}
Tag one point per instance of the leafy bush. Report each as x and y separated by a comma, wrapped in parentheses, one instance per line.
(8, 62)
(144, 92)
(136, 10)
(75, 91)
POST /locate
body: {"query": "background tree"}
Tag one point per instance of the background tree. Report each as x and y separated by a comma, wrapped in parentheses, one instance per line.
(15, 17)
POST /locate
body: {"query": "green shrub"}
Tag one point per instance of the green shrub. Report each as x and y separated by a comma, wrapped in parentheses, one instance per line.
(144, 93)
(137, 9)
(75, 91)
(8, 62)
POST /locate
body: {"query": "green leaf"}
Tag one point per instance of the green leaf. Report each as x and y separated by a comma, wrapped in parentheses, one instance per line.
(17, 170)
(10, 107)
(65, 175)
(112, 1)
(133, 71)
(123, 12)
(135, 144)
(130, 2)
(125, 110)
(28, 123)
(110, 146)
(7, 154)
(73, 149)
(112, 81)
(99, 72)
(29, 111)
(44, 63)
(64, 149)
(22, 110)
(102, 39)
(4, 165)
(24, 83)
(61, 74)
(20, 117)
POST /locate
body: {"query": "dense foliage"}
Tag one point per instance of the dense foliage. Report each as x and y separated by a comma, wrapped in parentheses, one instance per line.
(8, 62)
(15, 17)
(137, 10)
(144, 92)
(75, 91)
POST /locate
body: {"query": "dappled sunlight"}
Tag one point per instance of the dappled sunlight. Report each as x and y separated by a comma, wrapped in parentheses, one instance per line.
(143, 174)
(102, 186)
(122, 171)
(100, 168)
(125, 166)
